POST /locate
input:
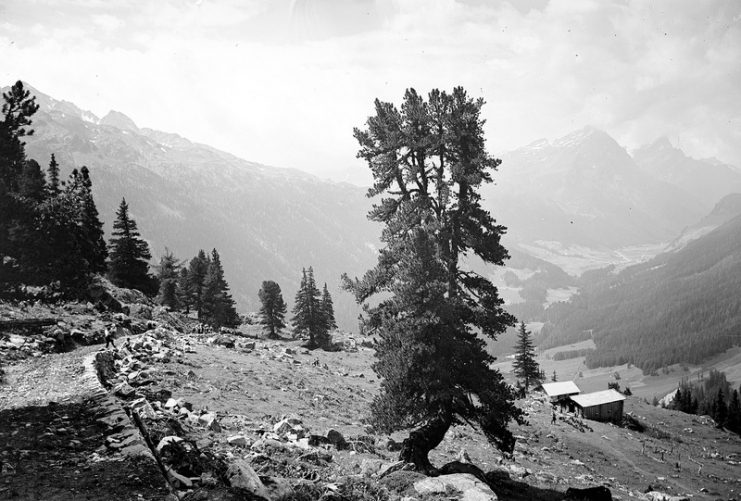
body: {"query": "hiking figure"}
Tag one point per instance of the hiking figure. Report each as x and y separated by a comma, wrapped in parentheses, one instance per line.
(109, 337)
(553, 419)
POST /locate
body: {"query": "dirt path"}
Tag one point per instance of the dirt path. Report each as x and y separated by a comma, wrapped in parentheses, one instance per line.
(52, 440)
(40, 380)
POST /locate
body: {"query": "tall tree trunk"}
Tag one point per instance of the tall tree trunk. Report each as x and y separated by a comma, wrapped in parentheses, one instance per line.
(421, 441)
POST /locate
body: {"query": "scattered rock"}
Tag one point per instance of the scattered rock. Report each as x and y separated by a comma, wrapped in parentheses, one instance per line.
(335, 438)
(472, 488)
(241, 475)
(237, 441)
(390, 468)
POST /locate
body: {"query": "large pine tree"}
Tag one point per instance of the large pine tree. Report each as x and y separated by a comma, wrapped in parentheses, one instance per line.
(16, 212)
(526, 367)
(272, 309)
(428, 162)
(129, 254)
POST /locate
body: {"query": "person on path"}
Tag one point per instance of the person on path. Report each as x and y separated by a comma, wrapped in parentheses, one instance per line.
(553, 419)
(109, 337)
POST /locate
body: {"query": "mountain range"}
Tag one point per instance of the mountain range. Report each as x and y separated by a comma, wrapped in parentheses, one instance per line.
(575, 203)
(267, 223)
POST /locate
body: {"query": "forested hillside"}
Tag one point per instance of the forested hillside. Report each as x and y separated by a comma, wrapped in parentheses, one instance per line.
(681, 306)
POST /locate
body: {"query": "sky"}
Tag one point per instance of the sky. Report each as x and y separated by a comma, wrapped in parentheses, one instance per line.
(284, 82)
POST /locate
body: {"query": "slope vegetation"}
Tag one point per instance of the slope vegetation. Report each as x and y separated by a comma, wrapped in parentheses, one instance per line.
(681, 306)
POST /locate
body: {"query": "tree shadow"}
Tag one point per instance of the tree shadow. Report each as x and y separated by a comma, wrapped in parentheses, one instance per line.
(508, 489)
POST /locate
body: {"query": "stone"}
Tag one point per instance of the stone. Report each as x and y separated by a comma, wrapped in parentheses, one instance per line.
(663, 496)
(518, 471)
(265, 444)
(241, 475)
(177, 480)
(209, 421)
(142, 407)
(172, 403)
(237, 441)
(389, 468)
(370, 467)
(170, 439)
(123, 390)
(472, 488)
(335, 438)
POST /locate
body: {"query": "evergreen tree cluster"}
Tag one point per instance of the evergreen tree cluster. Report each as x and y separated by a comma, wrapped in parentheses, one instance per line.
(50, 230)
(200, 286)
(711, 396)
(313, 312)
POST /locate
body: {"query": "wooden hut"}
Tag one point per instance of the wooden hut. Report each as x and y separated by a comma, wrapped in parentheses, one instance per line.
(560, 391)
(604, 405)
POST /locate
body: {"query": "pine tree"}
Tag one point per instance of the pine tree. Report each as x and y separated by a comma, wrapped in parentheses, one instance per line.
(129, 254)
(95, 249)
(52, 181)
(273, 309)
(31, 184)
(217, 303)
(18, 108)
(734, 413)
(17, 232)
(720, 410)
(184, 298)
(328, 309)
(526, 368)
(168, 273)
(428, 161)
(197, 269)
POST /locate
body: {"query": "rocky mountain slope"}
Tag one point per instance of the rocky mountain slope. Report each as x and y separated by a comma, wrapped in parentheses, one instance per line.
(266, 222)
(232, 417)
(705, 181)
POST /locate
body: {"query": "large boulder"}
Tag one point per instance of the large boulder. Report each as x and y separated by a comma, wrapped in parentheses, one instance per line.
(663, 496)
(241, 475)
(472, 488)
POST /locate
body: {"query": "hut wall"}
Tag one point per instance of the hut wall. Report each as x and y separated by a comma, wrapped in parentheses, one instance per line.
(605, 412)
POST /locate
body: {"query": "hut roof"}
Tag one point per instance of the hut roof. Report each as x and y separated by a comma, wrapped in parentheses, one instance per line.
(560, 388)
(598, 398)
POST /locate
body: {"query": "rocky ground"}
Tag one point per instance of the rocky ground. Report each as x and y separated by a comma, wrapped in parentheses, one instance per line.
(227, 416)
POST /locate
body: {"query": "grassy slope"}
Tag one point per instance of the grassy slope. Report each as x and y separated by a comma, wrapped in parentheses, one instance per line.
(264, 384)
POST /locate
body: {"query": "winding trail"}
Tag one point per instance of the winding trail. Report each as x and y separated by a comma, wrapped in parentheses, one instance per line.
(37, 381)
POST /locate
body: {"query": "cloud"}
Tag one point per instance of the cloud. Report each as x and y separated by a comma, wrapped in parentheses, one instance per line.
(285, 82)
